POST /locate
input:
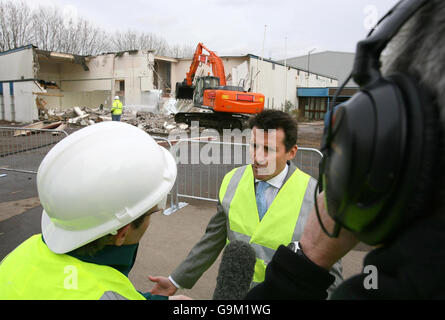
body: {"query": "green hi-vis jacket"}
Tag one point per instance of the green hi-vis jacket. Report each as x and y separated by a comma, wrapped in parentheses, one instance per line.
(279, 224)
(33, 272)
(237, 218)
(116, 108)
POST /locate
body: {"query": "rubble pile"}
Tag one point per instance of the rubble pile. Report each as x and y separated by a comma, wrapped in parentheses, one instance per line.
(161, 123)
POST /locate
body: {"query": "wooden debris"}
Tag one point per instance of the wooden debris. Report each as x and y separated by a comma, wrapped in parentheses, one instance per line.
(60, 128)
(36, 125)
(52, 125)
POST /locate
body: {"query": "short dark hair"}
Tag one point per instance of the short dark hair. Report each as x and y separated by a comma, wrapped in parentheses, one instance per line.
(93, 247)
(276, 119)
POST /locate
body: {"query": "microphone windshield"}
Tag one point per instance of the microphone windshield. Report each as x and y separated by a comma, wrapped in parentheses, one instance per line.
(235, 271)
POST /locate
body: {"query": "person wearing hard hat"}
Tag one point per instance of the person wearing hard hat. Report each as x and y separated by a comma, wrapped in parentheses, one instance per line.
(116, 109)
(97, 196)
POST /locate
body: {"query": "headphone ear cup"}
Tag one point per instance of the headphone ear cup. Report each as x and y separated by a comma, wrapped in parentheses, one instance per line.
(378, 172)
(418, 101)
(413, 192)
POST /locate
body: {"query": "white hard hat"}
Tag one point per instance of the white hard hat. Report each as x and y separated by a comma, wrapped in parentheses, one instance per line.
(116, 98)
(98, 180)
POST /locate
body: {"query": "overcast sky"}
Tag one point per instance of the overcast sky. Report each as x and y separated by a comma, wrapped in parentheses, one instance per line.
(237, 27)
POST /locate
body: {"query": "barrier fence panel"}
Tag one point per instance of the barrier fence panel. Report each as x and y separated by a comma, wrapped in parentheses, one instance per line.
(174, 203)
(202, 165)
(23, 149)
(308, 160)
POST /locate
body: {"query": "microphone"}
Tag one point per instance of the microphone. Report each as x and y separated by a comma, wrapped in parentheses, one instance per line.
(235, 271)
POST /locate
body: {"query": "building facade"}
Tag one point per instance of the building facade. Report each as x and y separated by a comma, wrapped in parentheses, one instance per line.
(277, 81)
(30, 78)
(314, 101)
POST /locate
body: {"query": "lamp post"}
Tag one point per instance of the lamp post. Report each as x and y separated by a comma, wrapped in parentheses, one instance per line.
(285, 73)
(308, 61)
(262, 55)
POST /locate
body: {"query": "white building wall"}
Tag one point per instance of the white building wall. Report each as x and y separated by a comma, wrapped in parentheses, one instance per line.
(98, 85)
(178, 72)
(270, 80)
(16, 67)
(21, 106)
(134, 69)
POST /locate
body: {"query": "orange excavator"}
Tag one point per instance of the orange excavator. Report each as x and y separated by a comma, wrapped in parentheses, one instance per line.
(230, 105)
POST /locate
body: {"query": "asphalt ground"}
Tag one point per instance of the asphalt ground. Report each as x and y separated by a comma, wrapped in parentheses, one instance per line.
(168, 238)
(165, 244)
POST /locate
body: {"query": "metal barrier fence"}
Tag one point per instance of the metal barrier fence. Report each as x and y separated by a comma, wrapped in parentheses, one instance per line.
(203, 165)
(23, 149)
(175, 205)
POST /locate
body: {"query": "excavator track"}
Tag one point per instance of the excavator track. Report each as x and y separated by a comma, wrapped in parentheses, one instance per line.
(215, 120)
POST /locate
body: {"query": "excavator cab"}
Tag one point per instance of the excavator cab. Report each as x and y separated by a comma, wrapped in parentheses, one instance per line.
(203, 83)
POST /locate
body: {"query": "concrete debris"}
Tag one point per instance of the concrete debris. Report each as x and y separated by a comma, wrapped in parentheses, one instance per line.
(79, 112)
(160, 122)
(36, 125)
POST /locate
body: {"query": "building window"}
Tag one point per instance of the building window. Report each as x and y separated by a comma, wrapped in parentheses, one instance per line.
(122, 85)
(273, 66)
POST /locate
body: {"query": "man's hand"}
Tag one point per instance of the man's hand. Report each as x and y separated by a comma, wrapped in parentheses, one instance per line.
(163, 287)
(317, 246)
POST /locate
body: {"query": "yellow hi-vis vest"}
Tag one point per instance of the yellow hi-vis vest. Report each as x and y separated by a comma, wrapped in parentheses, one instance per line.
(117, 107)
(279, 226)
(33, 272)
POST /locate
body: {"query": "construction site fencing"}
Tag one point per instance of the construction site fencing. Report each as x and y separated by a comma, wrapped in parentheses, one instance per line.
(173, 200)
(23, 149)
(202, 166)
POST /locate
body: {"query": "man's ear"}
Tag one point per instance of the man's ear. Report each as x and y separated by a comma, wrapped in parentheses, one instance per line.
(292, 152)
(122, 233)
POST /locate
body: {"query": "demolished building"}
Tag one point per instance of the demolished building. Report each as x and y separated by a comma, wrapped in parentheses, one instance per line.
(33, 81)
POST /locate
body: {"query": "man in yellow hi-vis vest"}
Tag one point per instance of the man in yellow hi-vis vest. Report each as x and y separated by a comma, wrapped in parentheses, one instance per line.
(265, 204)
(89, 241)
(116, 109)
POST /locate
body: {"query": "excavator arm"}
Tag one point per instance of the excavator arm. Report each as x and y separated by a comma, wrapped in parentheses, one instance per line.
(185, 89)
(211, 59)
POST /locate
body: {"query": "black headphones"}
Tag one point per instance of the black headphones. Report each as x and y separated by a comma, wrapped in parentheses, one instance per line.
(381, 146)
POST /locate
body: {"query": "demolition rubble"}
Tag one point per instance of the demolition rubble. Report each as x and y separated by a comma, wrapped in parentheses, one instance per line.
(158, 121)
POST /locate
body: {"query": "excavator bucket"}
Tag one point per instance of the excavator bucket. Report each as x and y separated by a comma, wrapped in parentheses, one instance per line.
(184, 91)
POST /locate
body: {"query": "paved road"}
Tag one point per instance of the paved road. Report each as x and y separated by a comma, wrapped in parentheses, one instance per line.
(20, 210)
(168, 239)
(165, 244)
